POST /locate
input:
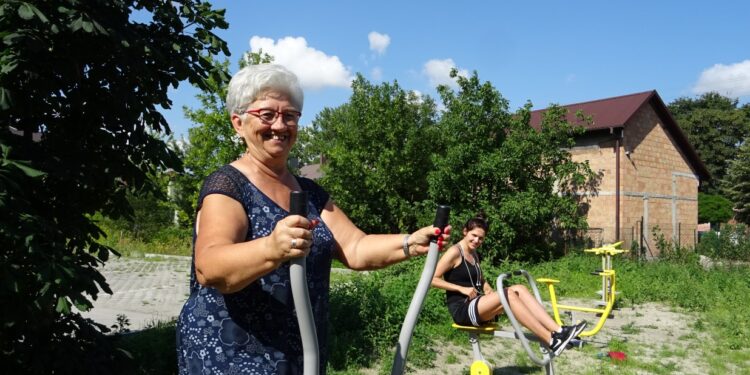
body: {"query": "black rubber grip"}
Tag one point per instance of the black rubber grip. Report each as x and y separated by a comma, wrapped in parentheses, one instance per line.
(517, 273)
(441, 217)
(298, 203)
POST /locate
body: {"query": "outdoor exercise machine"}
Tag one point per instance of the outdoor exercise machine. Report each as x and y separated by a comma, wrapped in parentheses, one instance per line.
(301, 296)
(608, 292)
(542, 357)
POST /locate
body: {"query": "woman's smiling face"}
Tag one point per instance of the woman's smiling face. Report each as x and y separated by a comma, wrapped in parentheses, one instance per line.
(266, 139)
(474, 237)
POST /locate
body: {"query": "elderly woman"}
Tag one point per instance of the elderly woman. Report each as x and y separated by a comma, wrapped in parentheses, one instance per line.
(240, 316)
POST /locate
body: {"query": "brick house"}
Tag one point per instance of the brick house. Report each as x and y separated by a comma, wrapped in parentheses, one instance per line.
(650, 172)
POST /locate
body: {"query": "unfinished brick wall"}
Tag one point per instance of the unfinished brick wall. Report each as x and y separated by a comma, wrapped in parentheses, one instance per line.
(657, 184)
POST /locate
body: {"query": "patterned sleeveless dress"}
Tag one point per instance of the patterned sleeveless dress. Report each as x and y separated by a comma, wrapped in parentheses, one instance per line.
(255, 330)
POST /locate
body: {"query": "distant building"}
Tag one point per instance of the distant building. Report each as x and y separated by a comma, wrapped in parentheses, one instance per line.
(311, 171)
(650, 172)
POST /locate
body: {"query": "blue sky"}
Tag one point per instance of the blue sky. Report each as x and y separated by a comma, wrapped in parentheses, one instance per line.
(544, 52)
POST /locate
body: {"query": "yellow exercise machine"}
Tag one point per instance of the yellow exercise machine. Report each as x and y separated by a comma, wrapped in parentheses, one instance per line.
(608, 292)
(480, 366)
(543, 357)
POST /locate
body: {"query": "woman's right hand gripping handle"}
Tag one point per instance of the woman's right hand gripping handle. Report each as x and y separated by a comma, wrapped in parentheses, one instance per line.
(292, 236)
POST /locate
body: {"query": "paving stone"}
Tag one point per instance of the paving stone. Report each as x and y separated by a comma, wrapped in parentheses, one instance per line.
(145, 290)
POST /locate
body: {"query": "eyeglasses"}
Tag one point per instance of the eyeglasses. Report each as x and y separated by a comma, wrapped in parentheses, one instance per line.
(268, 116)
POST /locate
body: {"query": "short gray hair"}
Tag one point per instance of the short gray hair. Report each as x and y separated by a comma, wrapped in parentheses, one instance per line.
(252, 81)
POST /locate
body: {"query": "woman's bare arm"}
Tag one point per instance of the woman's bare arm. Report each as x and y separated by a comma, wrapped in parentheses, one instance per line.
(222, 257)
(360, 251)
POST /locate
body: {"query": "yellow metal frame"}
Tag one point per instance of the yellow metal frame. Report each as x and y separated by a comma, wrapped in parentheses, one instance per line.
(488, 328)
(609, 288)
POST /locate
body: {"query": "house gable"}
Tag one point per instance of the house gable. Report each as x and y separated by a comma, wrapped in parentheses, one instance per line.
(616, 113)
(649, 171)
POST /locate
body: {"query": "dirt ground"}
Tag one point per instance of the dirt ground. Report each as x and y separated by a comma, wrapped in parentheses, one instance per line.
(655, 336)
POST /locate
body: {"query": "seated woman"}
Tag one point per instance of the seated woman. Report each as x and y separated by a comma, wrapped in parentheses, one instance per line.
(472, 301)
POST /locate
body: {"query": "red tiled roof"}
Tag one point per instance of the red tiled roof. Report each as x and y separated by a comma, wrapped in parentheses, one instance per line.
(615, 113)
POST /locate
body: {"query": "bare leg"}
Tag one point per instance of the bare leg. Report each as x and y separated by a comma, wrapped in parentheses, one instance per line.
(490, 306)
(534, 307)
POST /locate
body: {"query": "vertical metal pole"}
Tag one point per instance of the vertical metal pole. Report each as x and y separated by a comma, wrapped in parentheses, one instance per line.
(604, 280)
(695, 237)
(641, 251)
(617, 188)
(301, 295)
(415, 307)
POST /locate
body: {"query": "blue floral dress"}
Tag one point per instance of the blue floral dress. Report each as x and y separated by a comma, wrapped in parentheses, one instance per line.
(255, 330)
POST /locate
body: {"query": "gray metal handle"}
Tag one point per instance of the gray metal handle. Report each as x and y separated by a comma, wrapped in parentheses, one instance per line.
(417, 301)
(301, 295)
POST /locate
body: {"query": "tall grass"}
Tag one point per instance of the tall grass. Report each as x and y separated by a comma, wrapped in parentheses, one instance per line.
(168, 241)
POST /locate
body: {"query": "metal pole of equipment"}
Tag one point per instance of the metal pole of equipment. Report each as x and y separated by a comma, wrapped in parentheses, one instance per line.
(546, 360)
(301, 295)
(415, 307)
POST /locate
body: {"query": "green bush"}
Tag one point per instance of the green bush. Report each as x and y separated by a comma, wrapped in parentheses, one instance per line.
(369, 310)
(731, 243)
(153, 350)
(672, 251)
(168, 240)
(353, 307)
(713, 208)
(152, 218)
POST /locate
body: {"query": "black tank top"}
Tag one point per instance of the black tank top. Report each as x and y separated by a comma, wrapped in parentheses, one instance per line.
(466, 274)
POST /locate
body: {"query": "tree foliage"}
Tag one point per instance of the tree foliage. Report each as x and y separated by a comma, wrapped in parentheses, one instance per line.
(714, 208)
(737, 183)
(212, 141)
(715, 126)
(522, 178)
(81, 85)
(389, 158)
(377, 151)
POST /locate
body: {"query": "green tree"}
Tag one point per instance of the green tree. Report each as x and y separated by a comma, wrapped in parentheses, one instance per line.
(81, 85)
(715, 126)
(212, 142)
(737, 183)
(377, 151)
(714, 208)
(522, 178)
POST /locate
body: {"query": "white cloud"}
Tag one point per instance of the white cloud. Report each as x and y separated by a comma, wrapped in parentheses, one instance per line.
(378, 42)
(438, 72)
(731, 80)
(314, 68)
(419, 98)
(376, 73)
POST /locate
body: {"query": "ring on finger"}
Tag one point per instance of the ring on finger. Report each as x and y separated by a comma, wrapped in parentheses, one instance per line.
(294, 243)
